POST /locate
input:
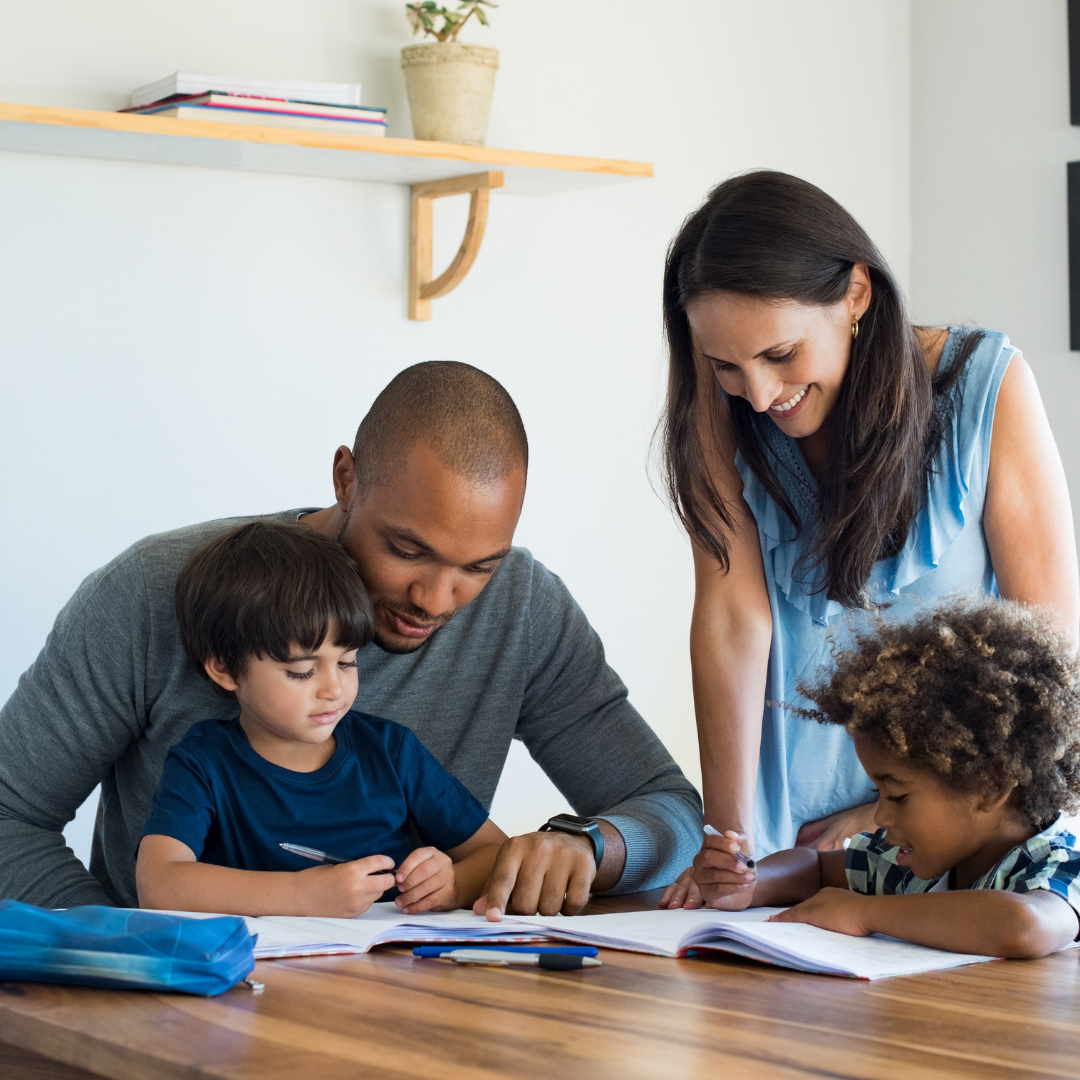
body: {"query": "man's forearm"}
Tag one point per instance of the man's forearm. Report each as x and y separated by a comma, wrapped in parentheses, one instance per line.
(614, 860)
(659, 834)
(39, 868)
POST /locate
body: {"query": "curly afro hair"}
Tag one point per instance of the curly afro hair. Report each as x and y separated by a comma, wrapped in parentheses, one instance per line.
(986, 695)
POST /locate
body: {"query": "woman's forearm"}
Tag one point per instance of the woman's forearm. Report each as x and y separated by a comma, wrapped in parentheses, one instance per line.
(729, 656)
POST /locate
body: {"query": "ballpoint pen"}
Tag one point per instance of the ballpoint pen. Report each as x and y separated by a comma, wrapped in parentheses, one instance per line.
(505, 958)
(436, 951)
(323, 856)
(741, 856)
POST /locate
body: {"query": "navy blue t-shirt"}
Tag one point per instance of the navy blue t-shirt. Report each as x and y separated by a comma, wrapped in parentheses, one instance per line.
(234, 808)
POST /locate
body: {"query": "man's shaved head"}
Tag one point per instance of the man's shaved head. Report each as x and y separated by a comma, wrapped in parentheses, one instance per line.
(465, 416)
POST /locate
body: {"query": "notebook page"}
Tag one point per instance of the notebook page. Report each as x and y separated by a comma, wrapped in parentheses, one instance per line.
(276, 941)
(384, 923)
(825, 951)
(658, 931)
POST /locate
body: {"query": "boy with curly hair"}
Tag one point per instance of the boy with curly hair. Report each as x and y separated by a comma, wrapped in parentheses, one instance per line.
(968, 722)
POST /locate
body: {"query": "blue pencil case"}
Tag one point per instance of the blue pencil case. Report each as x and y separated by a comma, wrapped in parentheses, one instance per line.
(124, 949)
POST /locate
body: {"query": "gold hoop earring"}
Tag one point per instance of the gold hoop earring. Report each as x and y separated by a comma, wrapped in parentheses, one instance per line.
(854, 329)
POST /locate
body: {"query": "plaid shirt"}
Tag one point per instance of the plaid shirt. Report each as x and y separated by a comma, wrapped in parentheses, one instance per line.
(1048, 860)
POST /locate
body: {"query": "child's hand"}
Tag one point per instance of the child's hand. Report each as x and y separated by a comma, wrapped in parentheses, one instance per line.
(832, 909)
(347, 889)
(426, 880)
(724, 882)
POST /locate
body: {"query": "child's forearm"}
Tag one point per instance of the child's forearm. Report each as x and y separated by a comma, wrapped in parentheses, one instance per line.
(195, 886)
(471, 874)
(786, 877)
(985, 921)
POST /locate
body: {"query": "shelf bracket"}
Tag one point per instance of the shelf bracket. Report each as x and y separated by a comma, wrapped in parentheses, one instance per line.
(422, 290)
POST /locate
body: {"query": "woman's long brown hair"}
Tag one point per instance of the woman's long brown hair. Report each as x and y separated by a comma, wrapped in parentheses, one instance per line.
(771, 235)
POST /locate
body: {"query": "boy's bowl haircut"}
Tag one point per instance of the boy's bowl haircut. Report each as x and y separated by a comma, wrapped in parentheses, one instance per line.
(264, 589)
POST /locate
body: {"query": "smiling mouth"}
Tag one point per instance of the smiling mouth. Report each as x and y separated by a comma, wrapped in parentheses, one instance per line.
(791, 405)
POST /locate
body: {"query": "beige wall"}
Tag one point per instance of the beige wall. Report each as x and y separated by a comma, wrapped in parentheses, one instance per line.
(179, 344)
(990, 139)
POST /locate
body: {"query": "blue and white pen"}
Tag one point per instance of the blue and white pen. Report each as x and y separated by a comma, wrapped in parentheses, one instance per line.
(741, 856)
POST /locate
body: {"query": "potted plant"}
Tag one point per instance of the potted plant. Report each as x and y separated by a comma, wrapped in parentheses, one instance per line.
(449, 84)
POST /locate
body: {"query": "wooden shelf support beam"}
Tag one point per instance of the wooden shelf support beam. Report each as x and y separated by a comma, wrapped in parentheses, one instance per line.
(422, 289)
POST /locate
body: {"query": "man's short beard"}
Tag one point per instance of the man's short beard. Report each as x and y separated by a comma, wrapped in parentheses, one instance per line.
(398, 649)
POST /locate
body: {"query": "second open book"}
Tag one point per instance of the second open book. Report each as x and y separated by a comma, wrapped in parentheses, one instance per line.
(663, 933)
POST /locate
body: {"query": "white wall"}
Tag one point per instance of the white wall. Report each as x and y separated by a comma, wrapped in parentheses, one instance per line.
(990, 139)
(179, 344)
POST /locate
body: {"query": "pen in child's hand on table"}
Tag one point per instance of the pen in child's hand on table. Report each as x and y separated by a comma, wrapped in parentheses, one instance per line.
(324, 856)
(740, 855)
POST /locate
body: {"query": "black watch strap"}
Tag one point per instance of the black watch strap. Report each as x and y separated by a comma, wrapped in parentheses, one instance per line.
(577, 826)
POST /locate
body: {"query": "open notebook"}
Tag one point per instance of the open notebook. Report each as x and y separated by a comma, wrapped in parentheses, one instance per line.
(746, 933)
(382, 924)
(662, 933)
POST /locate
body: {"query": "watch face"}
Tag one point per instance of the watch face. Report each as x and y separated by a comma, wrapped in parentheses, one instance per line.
(569, 819)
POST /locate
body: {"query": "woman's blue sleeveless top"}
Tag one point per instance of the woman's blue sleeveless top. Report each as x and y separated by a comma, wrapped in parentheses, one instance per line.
(808, 770)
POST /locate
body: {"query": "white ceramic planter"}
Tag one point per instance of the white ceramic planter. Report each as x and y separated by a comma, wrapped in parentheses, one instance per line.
(450, 87)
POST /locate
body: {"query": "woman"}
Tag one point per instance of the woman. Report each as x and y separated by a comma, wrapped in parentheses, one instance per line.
(830, 460)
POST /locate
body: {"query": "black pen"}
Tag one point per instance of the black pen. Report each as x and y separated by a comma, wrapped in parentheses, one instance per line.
(324, 856)
(494, 958)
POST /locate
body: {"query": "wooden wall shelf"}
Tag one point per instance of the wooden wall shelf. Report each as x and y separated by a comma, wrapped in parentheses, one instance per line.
(421, 165)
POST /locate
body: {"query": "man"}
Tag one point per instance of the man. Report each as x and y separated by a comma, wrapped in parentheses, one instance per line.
(476, 644)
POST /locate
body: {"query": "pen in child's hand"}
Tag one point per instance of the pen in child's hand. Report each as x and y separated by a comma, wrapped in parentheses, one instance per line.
(324, 856)
(741, 856)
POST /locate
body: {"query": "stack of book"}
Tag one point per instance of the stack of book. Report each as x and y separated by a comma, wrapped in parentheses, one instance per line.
(314, 106)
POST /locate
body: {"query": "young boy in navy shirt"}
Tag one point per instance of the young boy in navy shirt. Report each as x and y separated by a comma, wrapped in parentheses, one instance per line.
(274, 614)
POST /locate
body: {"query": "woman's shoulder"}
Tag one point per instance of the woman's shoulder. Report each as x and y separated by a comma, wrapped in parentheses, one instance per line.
(932, 341)
(961, 355)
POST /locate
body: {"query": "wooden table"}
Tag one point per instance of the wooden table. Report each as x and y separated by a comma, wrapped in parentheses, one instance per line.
(388, 1015)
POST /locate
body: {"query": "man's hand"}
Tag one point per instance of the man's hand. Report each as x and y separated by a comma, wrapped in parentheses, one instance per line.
(547, 872)
(832, 909)
(345, 890)
(829, 833)
(426, 880)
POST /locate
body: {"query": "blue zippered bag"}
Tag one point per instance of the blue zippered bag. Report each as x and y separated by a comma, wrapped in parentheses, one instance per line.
(124, 948)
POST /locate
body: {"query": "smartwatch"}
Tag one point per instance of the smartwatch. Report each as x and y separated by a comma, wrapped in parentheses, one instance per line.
(578, 826)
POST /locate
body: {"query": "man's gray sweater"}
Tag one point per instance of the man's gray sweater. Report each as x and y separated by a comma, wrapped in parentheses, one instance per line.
(112, 691)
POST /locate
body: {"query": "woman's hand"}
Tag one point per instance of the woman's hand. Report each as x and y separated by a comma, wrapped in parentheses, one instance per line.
(832, 909)
(723, 879)
(830, 832)
(684, 893)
